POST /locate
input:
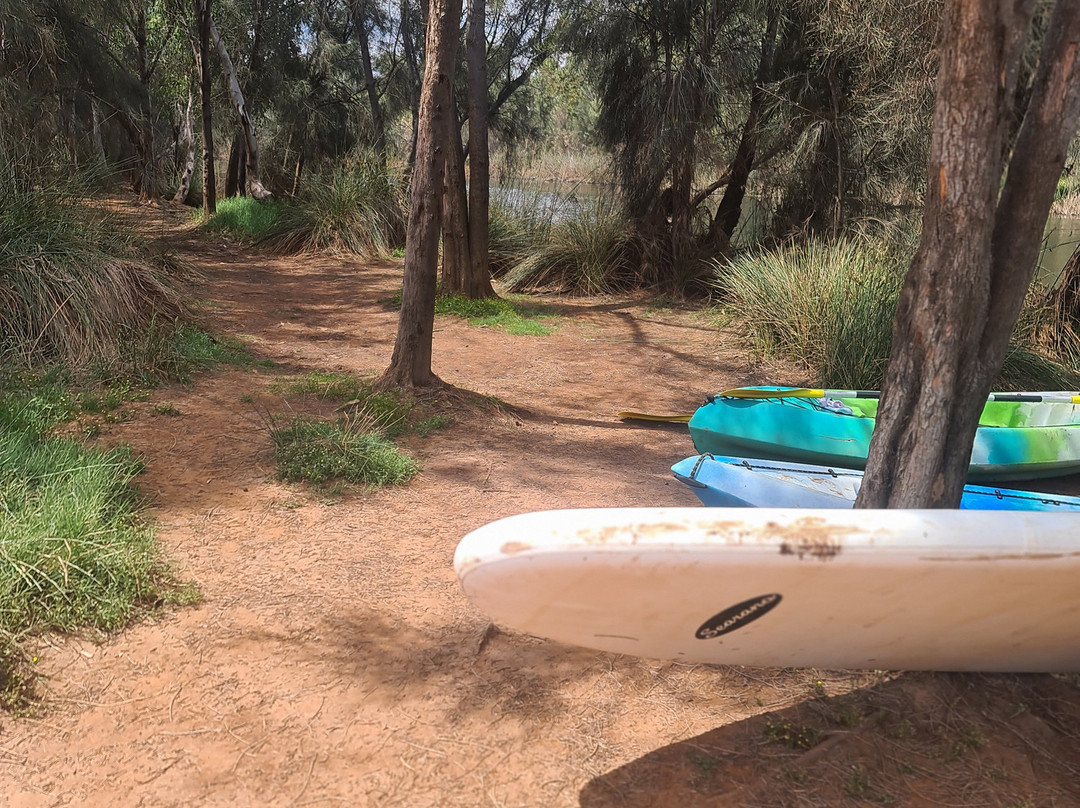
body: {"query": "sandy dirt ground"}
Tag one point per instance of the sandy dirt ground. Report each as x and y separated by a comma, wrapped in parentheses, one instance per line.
(334, 661)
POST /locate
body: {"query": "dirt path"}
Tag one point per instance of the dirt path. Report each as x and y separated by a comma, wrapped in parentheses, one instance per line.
(334, 660)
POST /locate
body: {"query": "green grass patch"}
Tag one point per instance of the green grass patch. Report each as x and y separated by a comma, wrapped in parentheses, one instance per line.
(73, 552)
(506, 314)
(244, 217)
(317, 452)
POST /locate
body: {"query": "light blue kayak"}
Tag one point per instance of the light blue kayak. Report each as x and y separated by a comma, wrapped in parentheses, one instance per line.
(1015, 440)
(722, 481)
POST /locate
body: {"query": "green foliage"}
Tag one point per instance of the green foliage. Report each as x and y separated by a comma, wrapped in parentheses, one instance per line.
(73, 287)
(585, 254)
(244, 217)
(830, 308)
(357, 208)
(319, 451)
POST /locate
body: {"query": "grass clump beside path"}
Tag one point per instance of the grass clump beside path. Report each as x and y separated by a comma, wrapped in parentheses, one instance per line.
(830, 307)
(74, 286)
(357, 446)
(73, 552)
(357, 208)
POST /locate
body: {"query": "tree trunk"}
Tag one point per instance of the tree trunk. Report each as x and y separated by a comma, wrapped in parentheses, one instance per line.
(978, 248)
(729, 210)
(148, 182)
(95, 131)
(478, 280)
(410, 365)
(251, 149)
(187, 141)
(413, 65)
(377, 122)
(202, 63)
(455, 218)
(232, 168)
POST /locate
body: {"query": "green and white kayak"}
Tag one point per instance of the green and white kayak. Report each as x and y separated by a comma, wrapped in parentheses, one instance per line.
(1016, 440)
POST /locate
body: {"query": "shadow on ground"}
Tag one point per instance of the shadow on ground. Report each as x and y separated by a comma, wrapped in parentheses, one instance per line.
(915, 740)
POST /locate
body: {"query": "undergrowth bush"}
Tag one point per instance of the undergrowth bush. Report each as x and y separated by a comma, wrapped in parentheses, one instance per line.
(830, 306)
(356, 207)
(73, 286)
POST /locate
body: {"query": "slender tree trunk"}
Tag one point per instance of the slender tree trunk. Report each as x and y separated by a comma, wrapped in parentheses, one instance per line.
(455, 218)
(378, 125)
(978, 247)
(251, 148)
(410, 364)
(478, 280)
(413, 65)
(232, 168)
(95, 131)
(729, 210)
(187, 145)
(148, 183)
(202, 62)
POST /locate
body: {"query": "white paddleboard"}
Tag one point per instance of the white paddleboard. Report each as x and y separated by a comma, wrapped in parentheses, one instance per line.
(884, 590)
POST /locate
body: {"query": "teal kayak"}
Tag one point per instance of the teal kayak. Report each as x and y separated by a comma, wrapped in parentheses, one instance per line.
(1016, 440)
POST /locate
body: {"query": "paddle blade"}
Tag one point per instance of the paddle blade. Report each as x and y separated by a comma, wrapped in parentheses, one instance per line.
(646, 416)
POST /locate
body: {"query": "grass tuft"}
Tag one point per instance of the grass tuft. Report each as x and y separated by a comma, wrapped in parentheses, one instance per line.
(830, 307)
(585, 254)
(316, 451)
(357, 208)
(73, 286)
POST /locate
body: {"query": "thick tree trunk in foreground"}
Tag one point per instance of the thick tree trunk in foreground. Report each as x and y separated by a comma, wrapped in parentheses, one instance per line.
(251, 148)
(977, 253)
(410, 365)
(202, 64)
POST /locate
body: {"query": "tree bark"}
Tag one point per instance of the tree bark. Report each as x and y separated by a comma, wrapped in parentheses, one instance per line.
(455, 219)
(478, 280)
(410, 364)
(187, 141)
(977, 251)
(202, 63)
(251, 148)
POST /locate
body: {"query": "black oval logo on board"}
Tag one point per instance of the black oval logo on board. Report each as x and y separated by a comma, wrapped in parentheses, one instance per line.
(737, 616)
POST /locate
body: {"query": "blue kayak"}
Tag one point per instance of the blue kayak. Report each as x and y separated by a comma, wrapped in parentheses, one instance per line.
(739, 482)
